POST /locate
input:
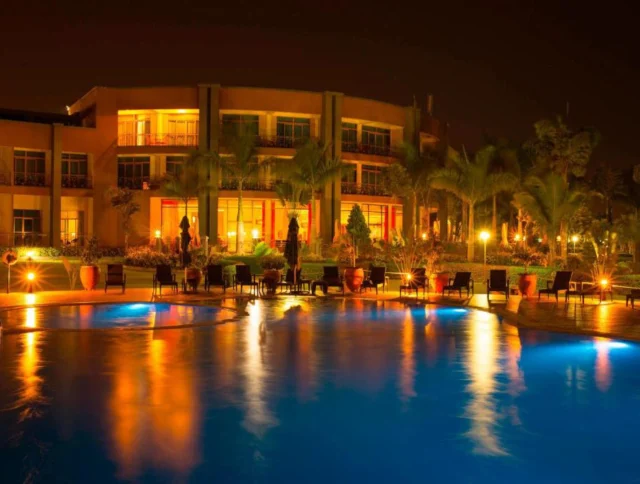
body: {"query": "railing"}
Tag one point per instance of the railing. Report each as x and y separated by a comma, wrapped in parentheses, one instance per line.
(24, 239)
(5, 178)
(253, 185)
(158, 139)
(273, 141)
(138, 183)
(77, 181)
(30, 179)
(369, 149)
(352, 188)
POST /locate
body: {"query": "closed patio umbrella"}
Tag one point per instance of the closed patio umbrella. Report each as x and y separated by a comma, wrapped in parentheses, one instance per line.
(291, 252)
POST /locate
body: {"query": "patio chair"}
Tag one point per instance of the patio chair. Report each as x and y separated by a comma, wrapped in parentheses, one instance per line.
(330, 278)
(243, 277)
(498, 282)
(115, 277)
(561, 282)
(462, 280)
(635, 294)
(164, 277)
(288, 282)
(214, 276)
(419, 279)
(377, 277)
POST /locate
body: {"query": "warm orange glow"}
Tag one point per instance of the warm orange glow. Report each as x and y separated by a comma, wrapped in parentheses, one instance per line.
(484, 235)
(517, 237)
(604, 282)
(424, 236)
(31, 276)
(408, 365)
(603, 365)
(574, 238)
(409, 277)
(158, 234)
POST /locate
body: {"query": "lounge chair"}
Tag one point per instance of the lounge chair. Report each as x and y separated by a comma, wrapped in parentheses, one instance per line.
(635, 294)
(461, 281)
(330, 278)
(164, 277)
(560, 283)
(115, 277)
(214, 276)
(289, 284)
(243, 277)
(498, 282)
(377, 277)
(419, 279)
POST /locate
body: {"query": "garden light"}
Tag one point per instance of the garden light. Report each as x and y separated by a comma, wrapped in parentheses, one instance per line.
(255, 234)
(31, 277)
(574, 238)
(30, 255)
(158, 234)
(484, 236)
(517, 238)
(604, 282)
(424, 236)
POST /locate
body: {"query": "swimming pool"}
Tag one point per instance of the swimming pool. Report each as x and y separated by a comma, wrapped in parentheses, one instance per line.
(320, 391)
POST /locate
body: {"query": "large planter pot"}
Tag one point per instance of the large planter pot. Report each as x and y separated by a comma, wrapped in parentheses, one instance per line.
(193, 276)
(441, 280)
(274, 275)
(527, 284)
(353, 277)
(89, 276)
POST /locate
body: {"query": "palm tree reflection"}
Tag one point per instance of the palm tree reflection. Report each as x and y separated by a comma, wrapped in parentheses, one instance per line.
(408, 364)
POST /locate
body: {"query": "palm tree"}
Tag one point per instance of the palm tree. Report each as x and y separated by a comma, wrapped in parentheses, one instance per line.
(472, 182)
(310, 169)
(189, 183)
(124, 201)
(241, 168)
(409, 179)
(549, 201)
(292, 197)
(609, 186)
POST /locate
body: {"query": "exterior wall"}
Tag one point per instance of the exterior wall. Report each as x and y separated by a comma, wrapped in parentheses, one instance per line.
(326, 111)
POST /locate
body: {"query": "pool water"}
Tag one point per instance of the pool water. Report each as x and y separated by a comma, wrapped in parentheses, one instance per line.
(320, 391)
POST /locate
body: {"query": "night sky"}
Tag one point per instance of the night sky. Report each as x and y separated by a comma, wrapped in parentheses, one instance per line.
(496, 67)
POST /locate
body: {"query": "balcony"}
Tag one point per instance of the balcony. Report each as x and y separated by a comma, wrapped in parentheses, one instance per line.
(5, 178)
(77, 181)
(370, 149)
(158, 139)
(138, 183)
(30, 180)
(252, 186)
(20, 239)
(352, 188)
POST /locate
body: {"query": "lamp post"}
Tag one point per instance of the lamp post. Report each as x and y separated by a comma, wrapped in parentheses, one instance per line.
(484, 236)
(158, 240)
(603, 288)
(30, 278)
(574, 239)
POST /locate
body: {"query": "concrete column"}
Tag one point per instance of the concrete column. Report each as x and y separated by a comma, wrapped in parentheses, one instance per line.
(331, 132)
(359, 174)
(214, 142)
(56, 184)
(412, 136)
(203, 147)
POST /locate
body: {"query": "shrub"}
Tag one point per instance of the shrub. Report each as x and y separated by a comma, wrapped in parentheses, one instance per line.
(273, 261)
(91, 254)
(145, 256)
(527, 256)
(261, 249)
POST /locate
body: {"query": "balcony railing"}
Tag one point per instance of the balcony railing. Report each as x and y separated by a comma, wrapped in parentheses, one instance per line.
(138, 183)
(29, 239)
(370, 149)
(30, 179)
(77, 181)
(5, 178)
(158, 139)
(273, 141)
(352, 188)
(253, 185)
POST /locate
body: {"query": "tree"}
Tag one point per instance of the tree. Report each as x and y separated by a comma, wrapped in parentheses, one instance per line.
(189, 183)
(558, 148)
(358, 228)
(292, 197)
(241, 168)
(311, 169)
(550, 202)
(123, 200)
(610, 187)
(409, 179)
(472, 182)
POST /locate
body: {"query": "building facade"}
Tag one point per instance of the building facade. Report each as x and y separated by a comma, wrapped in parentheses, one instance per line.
(55, 170)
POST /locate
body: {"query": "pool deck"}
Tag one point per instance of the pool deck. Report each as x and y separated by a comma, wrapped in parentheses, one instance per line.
(608, 319)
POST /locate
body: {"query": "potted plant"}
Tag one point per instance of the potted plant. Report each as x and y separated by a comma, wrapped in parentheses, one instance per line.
(359, 233)
(9, 258)
(89, 271)
(527, 282)
(193, 272)
(272, 265)
(432, 254)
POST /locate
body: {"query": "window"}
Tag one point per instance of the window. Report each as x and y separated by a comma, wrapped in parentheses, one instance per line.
(292, 131)
(240, 124)
(134, 172)
(375, 215)
(75, 169)
(182, 132)
(376, 141)
(71, 227)
(372, 181)
(174, 165)
(252, 215)
(349, 178)
(26, 227)
(29, 168)
(349, 137)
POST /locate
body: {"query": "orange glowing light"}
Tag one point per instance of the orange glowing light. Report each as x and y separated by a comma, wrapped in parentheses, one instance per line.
(31, 276)
(604, 282)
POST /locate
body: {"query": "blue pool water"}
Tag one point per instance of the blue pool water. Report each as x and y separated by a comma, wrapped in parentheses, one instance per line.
(320, 391)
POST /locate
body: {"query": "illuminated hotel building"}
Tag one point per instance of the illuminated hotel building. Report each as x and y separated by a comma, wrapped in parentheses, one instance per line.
(56, 169)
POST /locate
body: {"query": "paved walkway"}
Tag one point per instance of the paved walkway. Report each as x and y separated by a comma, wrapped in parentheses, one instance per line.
(611, 319)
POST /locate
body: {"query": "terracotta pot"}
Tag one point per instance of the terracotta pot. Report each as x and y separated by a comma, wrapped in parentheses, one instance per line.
(274, 275)
(441, 280)
(527, 284)
(353, 277)
(193, 274)
(89, 276)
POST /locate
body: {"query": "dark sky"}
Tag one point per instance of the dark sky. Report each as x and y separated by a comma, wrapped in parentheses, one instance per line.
(494, 67)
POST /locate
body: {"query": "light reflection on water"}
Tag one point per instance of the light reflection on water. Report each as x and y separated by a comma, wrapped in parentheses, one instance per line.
(304, 390)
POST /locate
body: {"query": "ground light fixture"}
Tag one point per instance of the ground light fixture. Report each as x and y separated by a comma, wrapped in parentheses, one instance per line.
(255, 234)
(574, 239)
(158, 240)
(31, 277)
